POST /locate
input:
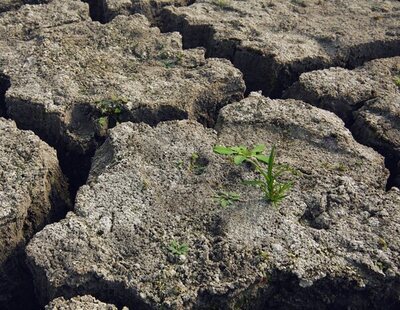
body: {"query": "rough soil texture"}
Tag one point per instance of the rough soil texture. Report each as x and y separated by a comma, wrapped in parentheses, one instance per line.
(329, 244)
(86, 302)
(72, 78)
(148, 229)
(273, 42)
(366, 98)
(33, 192)
(7, 5)
(106, 10)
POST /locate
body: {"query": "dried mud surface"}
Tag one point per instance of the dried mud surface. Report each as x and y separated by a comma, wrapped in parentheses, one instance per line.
(127, 108)
(273, 42)
(143, 193)
(33, 192)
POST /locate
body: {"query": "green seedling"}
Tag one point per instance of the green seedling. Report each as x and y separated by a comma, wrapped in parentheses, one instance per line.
(268, 170)
(103, 122)
(178, 249)
(197, 164)
(171, 60)
(179, 164)
(110, 111)
(397, 80)
(240, 154)
(226, 199)
(222, 3)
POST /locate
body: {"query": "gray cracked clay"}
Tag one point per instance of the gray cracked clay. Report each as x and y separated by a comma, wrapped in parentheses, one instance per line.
(366, 98)
(33, 192)
(273, 42)
(85, 302)
(330, 240)
(64, 68)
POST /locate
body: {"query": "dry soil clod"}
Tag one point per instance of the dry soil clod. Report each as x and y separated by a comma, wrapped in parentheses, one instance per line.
(366, 98)
(33, 192)
(273, 42)
(330, 239)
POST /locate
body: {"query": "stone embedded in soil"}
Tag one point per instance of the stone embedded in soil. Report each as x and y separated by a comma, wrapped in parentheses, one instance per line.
(71, 78)
(366, 98)
(86, 302)
(273, 42)
(33, 192)
(330, 242)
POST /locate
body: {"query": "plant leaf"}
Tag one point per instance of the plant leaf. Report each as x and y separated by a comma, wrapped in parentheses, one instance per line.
(262, 158)
(253, 182)
(103, 121)
(239, 159)
(259, 148)
(239, 149)
(234, 196)
(219, 149)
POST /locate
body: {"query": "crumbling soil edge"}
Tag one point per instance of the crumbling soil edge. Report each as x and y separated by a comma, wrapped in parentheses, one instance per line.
(76, 168)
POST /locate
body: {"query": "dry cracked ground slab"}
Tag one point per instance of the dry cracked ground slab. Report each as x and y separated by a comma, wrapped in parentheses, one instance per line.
(33, 192)
(70, 78)
(85, 302)
(328, 244)
(366, 98)
(106, 10)
(273, 42)
(8, 5)
(154, 190)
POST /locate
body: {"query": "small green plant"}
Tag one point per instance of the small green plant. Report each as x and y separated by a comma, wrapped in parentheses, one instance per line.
(179, 164)
(222, 3)
(177, 248)
(110, 111)
(268, 170)
(226, 199)
(197, 164)
(171, 60)
(397, 80)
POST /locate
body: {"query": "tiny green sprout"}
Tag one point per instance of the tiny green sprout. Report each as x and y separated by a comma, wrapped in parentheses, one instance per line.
(110, 111)
(221, 3)
(383, 244)
(197, 165)
(171, 60)
(179, 164)
(103, 122)
(226, 199)
(341, 167)
(264, 256)
(169, 63)
(177, 248)
(268, 181)
(397, 80)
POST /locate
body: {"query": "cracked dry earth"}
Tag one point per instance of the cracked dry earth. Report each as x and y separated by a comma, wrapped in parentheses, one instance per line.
(109, 112)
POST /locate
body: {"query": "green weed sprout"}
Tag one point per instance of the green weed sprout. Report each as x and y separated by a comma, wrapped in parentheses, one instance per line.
(178, 249)
(222, 3)
(397, 80)
(226, 199)
(269, 171)
(110, 111)
(197, 165)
